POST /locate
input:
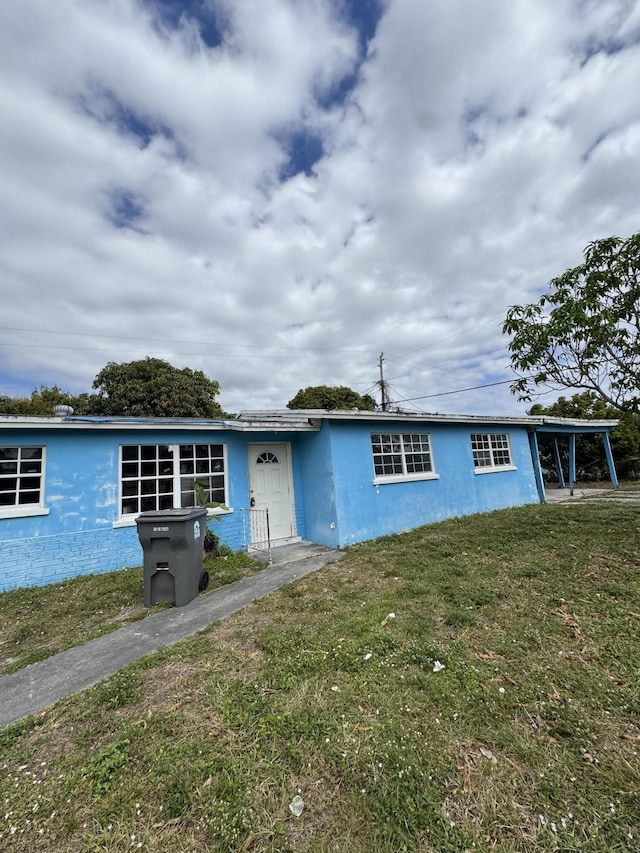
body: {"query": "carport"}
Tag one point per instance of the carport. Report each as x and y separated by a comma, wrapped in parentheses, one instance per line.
(557, 430)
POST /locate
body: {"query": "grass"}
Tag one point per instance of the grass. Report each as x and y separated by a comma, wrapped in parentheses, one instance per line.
(471, 685)
(38, 622)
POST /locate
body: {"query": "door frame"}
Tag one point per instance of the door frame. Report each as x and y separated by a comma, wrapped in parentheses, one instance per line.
(285, 449)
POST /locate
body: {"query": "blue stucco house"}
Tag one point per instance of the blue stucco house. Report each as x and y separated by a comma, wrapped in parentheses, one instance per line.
(71, 487)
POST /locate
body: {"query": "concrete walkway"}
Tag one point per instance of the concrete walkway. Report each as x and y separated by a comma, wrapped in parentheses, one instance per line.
(39, 686)
(617, 495)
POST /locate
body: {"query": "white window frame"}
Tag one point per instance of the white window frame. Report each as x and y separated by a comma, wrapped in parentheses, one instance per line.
(494, 443)
(18, 510)
(126, 519)
(404, 476)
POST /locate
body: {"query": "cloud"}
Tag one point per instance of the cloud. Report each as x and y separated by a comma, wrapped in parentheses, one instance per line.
(276, 192)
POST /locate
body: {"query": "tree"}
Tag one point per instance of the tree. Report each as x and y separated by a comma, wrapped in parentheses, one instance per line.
(147, 388)
(591, 462)
(152, 387)
(585, 332)
(43, 400)
(331, 397)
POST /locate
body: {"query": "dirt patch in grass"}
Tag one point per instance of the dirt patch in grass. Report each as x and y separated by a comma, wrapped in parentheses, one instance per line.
(52, 740)
(322, 816)
(169, 686)
(238, 635)
(481, 795)
(126, 615)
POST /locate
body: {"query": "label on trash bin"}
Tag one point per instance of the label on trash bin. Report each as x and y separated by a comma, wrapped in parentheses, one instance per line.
(160, 529)
(196, 529)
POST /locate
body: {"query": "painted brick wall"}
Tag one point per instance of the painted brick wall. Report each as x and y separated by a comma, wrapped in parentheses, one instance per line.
(230, 530)
(40, 560)
(51, 559)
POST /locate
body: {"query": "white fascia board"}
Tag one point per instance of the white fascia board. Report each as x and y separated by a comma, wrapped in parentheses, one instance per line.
(316, 416)
(361, 415)
(16, 422)
(602, 424)
(271, 426)
(11, 422)
(287, 420)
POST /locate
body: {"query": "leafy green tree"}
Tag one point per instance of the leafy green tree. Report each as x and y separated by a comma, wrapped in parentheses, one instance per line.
(43, 400)
(585, 332)
(152, 387)
(331, 397)
(13, 405)
(590, 457)
(147, 388)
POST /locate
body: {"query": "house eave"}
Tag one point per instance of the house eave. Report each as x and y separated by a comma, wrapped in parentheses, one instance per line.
(300, 420)
(568, 425)
(150, 424)
(319, 415)
(82, 423)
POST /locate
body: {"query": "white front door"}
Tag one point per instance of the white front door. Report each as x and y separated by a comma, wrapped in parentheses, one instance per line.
(271, 486)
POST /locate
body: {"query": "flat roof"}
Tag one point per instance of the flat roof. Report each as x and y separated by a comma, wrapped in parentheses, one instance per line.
(298, 420)
(79, 422)
(300, 415)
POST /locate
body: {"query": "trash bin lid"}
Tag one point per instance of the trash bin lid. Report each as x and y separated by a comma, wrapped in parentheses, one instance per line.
(178, 514)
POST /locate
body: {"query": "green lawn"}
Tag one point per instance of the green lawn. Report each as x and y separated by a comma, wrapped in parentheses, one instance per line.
(41, 621)
(472, 685)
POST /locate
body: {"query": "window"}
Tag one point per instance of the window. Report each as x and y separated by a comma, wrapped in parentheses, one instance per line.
(401, 456)
(490, 450)
(202, 463)
(21, 486)
(163, 476)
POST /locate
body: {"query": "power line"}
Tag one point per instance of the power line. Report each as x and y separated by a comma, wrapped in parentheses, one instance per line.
(164, 341)
(338, 354)
(448, 338)
(332, 354)
(422, 368)
(459, 391)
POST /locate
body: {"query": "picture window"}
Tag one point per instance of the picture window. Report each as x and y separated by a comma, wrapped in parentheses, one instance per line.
(398, 455)
(157, 477)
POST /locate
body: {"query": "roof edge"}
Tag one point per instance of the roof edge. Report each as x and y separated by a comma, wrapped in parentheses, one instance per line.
(280, 420)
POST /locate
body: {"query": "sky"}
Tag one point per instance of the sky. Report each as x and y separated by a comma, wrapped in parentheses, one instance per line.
(277, 192)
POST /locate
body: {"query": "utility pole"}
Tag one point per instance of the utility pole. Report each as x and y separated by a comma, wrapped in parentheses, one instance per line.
(383, 386)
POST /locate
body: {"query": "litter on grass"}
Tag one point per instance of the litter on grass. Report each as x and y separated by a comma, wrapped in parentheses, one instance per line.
(296, 805)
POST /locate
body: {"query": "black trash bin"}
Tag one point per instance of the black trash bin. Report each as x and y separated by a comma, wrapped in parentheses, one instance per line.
(173, 544)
